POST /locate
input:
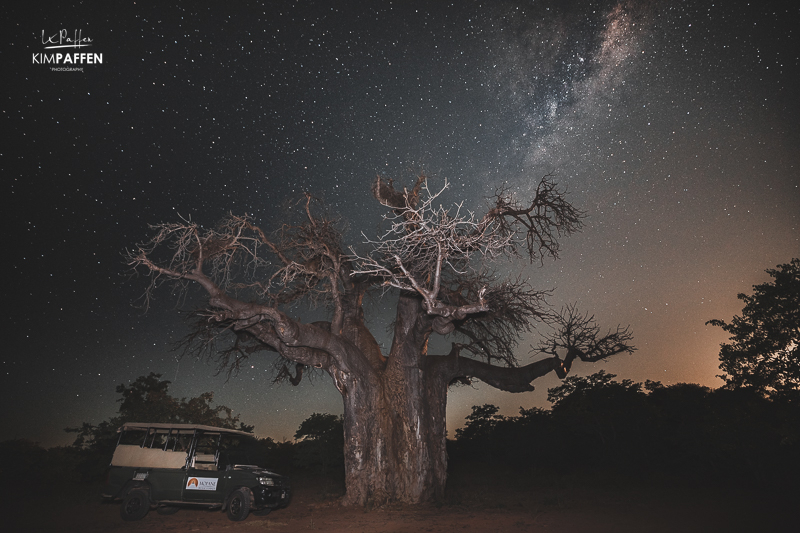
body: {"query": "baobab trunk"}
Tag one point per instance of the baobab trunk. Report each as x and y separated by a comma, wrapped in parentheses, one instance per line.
(392, 452)
(394, 422)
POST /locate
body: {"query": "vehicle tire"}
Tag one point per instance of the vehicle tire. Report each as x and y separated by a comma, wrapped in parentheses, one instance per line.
(239, 505)
(167, 509)
(135, 505)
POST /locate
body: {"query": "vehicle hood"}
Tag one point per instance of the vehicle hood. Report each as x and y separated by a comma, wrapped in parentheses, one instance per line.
(257, 470)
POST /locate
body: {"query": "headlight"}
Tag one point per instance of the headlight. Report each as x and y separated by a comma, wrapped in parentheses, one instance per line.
(266, 481)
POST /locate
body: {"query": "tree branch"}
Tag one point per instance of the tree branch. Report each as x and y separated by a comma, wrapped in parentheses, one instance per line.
(548, 217)
(579, 335)
(454, 367)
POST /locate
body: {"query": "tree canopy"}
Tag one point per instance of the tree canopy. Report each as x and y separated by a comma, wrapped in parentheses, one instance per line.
(764, 352)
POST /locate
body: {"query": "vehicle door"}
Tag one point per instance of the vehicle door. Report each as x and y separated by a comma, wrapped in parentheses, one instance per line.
(203, 481)
(166, 484)
(167, 479)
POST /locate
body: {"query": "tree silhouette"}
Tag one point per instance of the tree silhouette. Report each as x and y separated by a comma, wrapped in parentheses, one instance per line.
(147, 399)
(764, 352)
(480, 423)
(435, 263)
(602, 428)
(320, 443)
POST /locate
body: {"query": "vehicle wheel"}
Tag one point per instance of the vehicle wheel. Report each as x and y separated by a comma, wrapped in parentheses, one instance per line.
(239, 505)
(263, 512)
(135, 505)
(167, 510)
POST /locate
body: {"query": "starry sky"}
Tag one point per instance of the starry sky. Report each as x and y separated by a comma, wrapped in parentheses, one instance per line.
(674, 125)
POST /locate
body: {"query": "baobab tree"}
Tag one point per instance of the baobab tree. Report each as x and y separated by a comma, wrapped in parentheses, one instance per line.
(435, 264)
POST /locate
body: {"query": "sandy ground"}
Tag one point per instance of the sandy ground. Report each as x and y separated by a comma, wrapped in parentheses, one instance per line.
(501, 508)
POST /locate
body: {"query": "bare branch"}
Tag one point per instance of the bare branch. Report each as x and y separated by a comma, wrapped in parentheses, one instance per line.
(300, 261)
(548, 217)
(286, 375)
(426, 243)
(579, 335)
(514, 308)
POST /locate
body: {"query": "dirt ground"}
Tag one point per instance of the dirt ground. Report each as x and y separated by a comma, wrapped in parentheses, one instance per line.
(501, 507)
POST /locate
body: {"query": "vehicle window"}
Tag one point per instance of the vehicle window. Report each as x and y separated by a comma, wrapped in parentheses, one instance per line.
(132, 437)
(156, 440)
(179, 442)
(207, 444)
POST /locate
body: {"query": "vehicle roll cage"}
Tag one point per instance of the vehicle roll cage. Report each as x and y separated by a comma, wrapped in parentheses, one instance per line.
(171, 432)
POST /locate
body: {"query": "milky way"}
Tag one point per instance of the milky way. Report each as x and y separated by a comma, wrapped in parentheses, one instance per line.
(674, 125)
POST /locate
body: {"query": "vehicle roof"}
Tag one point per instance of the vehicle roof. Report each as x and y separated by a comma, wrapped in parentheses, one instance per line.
(184, 427)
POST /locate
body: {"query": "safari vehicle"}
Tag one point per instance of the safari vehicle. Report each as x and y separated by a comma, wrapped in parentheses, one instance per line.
(169, 466)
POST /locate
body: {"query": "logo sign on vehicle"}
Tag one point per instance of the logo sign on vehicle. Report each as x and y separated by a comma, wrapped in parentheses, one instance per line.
(202, 483)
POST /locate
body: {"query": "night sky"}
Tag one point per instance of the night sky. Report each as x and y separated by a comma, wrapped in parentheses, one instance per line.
(674, 125)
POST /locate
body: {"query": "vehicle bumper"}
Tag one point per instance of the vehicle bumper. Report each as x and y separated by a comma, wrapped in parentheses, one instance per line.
(273, 497)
